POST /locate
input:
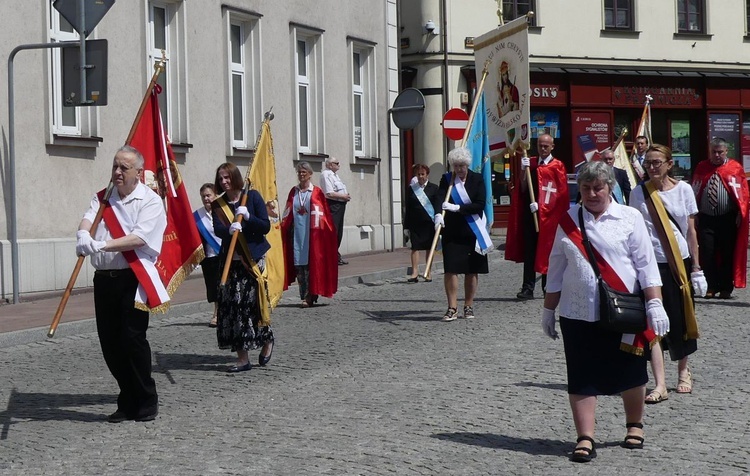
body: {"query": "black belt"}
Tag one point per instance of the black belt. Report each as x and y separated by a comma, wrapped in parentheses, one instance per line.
(113, 273)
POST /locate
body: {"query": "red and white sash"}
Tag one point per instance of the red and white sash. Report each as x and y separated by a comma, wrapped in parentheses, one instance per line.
(151, 293)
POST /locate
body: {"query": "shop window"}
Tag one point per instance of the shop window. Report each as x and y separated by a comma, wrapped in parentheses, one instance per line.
(691, 16)
(680, 144)
(747, 16)
(513, 9)
(618, 15)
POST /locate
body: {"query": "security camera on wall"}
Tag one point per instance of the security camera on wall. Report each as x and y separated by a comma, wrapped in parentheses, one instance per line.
(431, 28)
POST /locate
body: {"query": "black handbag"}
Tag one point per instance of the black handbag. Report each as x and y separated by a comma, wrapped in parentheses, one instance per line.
(618, 311)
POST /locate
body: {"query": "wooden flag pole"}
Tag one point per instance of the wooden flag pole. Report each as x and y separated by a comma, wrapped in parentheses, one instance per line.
(530, 185)
(158, 68)
(267, 117)
(467, 131)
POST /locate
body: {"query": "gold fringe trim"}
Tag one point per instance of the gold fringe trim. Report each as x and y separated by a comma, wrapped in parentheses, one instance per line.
(631, 349)
(177, 279)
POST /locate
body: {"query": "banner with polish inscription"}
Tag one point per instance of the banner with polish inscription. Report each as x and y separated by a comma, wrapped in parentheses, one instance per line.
(505, 52)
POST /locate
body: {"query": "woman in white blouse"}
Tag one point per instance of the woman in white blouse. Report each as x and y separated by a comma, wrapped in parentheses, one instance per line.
(678, 220)
(598, 361)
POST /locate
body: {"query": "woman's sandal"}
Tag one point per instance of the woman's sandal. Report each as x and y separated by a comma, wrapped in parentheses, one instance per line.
(582, 454)
(656, 396)
(633, 442)
(686, 384)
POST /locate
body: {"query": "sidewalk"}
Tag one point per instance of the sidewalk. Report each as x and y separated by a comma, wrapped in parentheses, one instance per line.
(36, 311)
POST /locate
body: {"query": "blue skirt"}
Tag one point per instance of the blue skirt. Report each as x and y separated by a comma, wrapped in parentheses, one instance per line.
(595, 363)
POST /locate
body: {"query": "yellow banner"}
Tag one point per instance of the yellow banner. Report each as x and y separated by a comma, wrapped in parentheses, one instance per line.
(263, 179)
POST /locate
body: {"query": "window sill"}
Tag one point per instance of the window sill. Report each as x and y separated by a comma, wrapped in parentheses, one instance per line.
(619, 33)
(315, 158)
(691, 35)
(535, 29)
(367, 160)
(181, 147)
(91, 142)
(243, 152)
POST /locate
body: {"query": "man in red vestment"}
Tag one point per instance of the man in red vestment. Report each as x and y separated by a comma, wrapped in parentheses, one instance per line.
(523, 243)
(322, 266)
(721, 191)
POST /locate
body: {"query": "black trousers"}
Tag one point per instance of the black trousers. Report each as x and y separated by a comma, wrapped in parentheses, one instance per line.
(122, 335)
(717, 236)
(337, 213)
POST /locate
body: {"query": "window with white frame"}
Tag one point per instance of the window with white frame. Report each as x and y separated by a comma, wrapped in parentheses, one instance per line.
(164, 41)
(244, 79)
(65, 120)
(363, 94)
(308, 91)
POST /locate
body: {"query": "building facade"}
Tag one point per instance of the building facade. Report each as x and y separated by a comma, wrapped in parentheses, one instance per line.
(329, 70)
(591, 68)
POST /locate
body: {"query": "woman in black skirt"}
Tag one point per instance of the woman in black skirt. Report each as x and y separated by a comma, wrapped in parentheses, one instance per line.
(600, 361)
(421, 203)
(211, 245)
(678, 200)
(459, 240)
(239, 315)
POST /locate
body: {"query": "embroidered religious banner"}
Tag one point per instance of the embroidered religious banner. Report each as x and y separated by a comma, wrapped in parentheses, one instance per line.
(504, 51)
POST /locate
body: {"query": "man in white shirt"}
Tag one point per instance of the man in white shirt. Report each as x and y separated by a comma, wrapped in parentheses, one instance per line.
(135, 214)
(336, 196)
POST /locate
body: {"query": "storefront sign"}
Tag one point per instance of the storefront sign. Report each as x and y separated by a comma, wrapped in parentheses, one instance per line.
(548, 95)
(662, 97)
(746, 146)
(591, 134)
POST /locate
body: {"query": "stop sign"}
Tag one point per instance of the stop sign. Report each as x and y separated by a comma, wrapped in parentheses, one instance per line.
(454, 123)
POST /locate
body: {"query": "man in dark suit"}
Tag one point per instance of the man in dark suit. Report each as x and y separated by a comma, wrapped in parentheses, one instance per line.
(623, 194)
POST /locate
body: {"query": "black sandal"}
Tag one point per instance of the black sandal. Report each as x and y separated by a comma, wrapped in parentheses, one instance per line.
(581, 454)
(628, 442)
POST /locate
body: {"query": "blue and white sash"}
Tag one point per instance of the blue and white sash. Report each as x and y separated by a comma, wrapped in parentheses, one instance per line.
(617, 192)
(423, 200)
(477, 223)
(209, 237)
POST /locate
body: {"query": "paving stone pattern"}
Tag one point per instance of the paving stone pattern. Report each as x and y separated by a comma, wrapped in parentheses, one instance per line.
(369, 383)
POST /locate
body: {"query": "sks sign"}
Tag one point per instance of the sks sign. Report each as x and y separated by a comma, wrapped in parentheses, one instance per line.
(548, 95)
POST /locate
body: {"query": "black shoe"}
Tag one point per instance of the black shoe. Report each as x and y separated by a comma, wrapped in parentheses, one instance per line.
(118, 417)
(263, 360)
(148, 416)
(412, 280)
(525, 295)
(238, 368)
(342, 261)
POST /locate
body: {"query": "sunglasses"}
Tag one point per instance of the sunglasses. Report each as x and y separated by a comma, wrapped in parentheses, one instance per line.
(653, 163)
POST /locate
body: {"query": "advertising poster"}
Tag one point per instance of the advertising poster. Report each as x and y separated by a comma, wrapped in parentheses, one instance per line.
(592, 132)
(726, 126)
(545, 122)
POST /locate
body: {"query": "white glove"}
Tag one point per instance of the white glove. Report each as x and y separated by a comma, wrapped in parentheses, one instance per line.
(698, 280)
(242, 211)
(548, 323)
(438, 220)
(534, 207)
(525, 162)
(86, 246)
(235, 227)
(451, 207)
(658, 320)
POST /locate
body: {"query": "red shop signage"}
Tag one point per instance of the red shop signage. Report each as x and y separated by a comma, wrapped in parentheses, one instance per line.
(548, 95)
(635, 96)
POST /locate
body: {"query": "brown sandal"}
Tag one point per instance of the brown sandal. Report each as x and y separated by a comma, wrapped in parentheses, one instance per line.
(686, 384)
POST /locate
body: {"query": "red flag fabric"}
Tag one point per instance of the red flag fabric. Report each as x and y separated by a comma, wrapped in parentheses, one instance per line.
(324, 270)
(553, 201)
(182, 249)
(732, 176)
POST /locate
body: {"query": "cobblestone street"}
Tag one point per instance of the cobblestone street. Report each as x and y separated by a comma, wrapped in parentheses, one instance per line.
(371, 382)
